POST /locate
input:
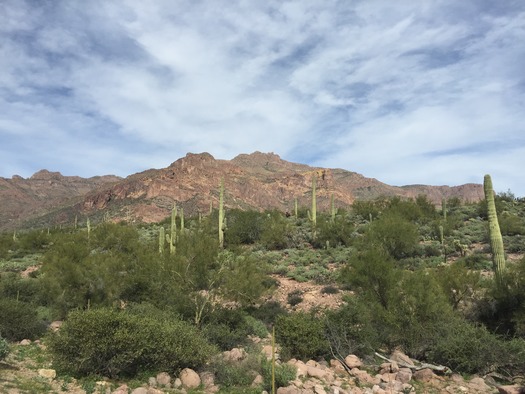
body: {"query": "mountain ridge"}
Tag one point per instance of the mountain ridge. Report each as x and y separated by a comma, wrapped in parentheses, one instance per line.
(252, 181)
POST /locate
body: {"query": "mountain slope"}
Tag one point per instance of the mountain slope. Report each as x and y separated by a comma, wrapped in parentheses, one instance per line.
(256, 181)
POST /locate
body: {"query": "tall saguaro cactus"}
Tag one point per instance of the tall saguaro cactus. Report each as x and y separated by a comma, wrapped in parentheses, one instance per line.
(162, 239)
(172, 238)
(313, 216)
(221, 214)
(496, 241)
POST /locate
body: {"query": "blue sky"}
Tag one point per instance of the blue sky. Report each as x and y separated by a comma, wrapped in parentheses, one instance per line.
(429, 92)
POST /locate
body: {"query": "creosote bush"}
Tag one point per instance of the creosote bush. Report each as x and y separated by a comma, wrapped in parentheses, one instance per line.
(116, 343)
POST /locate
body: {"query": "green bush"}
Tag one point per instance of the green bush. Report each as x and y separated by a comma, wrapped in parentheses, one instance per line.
(115, 343)
(301, 336)
(468, 348)
(235, 373)
(4, 348)
(284, 374)
(19, 320)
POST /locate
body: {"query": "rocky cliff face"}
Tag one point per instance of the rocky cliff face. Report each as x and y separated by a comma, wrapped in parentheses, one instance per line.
(256, 181)
(21, 199)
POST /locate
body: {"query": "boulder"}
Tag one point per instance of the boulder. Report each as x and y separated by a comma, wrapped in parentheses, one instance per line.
(123, 389)
(404, 375)
(236, 354)
(401, 358)
(189, 378)
(25, 342)
(163, 379)
(353, 361)
(511, 389)
(424, 375)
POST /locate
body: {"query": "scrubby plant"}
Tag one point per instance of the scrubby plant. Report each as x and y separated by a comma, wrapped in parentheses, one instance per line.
(301, 335)
(4, 348)
(19, 320)
(109, 342)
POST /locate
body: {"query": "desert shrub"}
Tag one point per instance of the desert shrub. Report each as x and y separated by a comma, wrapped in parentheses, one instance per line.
(351, 329)
(458, 283)
(111, 342)
(4, 348)
(329, 289)
(511, 224)
(276, 232)
(19, 320)
(228, 328)
(469, 348)
(267, 312)
(295, 297)
(244, 227)
(334, 233)
(284, 374)
(301, 336)
(476, 261)
(12, 285)
(230, 374)
(398, 236)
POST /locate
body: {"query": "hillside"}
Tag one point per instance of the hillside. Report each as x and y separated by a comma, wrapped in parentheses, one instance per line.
(252, 181)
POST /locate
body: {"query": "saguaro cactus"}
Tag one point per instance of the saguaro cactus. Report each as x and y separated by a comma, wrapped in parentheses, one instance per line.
(162, 239)
(496, 241)
(295, 207)
(221, 214)
(313, 215)
(332, 208)
(172, 238)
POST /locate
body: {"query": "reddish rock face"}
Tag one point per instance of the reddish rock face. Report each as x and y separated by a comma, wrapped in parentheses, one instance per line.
(256, 181)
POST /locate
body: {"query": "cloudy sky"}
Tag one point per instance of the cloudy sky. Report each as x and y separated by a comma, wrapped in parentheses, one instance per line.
(407, 92)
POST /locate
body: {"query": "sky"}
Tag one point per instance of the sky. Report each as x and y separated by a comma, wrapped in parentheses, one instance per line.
(407, 92)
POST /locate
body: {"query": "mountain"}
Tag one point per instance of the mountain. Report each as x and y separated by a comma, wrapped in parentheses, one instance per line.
(255, 181)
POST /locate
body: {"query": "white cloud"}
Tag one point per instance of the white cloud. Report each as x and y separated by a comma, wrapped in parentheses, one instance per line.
(405, 92)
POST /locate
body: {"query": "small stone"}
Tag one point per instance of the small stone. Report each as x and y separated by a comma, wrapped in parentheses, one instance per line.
(140, 390)
(25, 342)
(177, 383)
(47, 373)
(318, 389)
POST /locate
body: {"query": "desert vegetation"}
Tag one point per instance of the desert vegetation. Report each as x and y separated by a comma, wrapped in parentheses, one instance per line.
(175, 294)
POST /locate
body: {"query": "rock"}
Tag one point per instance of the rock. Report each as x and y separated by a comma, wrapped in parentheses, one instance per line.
(353, 361)
(404, 375)
(140, 390)
(388, 377)
(207, 379)
(25, 342)
(424, 375)
(258, 381)
(318, 389)
(163, 379)
(47, 373)
(55, 325)
(177, 383)
(288, 390)
(337, 366)
(401, 358)
(189, 378)
(235, 354)
(121, 389)
(153, 390)
(267, 351)
(511, 389)
(477, 384)
(363, 377)
(315, 372)
(152, 382)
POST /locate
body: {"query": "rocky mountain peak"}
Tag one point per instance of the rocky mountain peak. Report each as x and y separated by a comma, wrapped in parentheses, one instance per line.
(45, 175)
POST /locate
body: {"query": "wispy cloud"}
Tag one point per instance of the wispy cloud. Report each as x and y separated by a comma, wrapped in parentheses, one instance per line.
(406, 92)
